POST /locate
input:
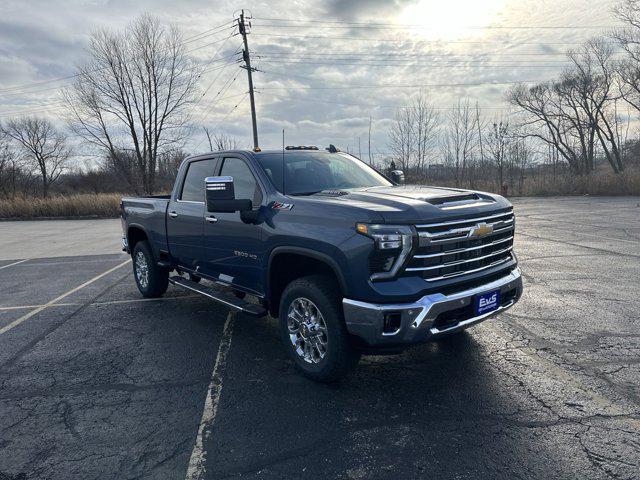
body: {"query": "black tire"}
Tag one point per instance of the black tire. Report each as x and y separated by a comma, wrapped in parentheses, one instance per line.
(157, 279)
(339, 356)
(195, 278)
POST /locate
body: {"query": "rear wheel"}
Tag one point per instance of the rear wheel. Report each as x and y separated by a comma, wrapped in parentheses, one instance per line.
(152, 281)
(313, 329)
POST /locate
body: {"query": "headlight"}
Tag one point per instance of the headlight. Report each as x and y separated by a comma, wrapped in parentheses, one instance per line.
(393, 245)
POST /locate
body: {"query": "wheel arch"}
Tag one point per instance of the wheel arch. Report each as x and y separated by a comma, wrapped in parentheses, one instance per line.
(135, 234)
(288, 263)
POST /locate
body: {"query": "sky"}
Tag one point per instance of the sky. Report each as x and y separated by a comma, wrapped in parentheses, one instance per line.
(326, 69)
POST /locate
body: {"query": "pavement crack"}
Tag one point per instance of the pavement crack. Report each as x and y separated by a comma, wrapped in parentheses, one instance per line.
(68, 419)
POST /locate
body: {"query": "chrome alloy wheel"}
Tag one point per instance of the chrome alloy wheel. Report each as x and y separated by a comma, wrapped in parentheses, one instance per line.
(142, 270)
(307, 330)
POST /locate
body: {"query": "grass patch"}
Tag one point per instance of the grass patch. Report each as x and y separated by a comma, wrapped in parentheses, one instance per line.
(540, 185)
(103, 205)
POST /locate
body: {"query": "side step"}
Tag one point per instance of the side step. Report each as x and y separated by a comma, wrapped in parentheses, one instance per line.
(220, 294)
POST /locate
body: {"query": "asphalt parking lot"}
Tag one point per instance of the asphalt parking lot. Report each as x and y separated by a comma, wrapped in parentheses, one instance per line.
(96, 382)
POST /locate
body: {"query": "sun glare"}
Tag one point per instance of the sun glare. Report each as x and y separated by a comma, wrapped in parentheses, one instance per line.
(451, 19)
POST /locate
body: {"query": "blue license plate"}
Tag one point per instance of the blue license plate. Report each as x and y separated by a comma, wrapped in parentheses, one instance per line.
(487, 302)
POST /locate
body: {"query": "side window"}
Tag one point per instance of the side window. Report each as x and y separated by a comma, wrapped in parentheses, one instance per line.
(193, 186)
(244, 183)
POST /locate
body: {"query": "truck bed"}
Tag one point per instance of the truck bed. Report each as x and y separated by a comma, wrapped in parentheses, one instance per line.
(150, 215)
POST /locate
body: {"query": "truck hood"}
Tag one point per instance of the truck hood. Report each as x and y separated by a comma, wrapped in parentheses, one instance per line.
(414, 203)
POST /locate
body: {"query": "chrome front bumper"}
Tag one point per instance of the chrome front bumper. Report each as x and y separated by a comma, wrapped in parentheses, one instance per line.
(421, 320)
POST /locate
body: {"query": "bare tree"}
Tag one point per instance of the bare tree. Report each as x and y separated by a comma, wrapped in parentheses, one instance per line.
(414, 134)
(497, 140)
(220, 141)
(401, 141)
(425, 131)
(591, 85)
(628, 39)
(133, 94)
(41, 145)
(548, 118)
(520, 156)
(461, 140)
(7, 158)
(122, 167)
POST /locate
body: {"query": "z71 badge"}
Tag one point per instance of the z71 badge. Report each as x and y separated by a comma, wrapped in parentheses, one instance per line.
(282, 206)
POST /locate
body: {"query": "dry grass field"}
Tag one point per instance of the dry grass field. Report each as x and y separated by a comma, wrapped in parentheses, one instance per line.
(106, 205)
(102, 205)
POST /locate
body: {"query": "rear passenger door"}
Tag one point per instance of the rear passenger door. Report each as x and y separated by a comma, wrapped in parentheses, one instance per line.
(185, 216)
(233, 248)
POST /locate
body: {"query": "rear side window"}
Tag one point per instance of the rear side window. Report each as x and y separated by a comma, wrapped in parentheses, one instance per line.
(193, 186)
(244, 183)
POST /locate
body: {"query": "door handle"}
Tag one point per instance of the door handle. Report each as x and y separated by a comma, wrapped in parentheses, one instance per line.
(173, 214)
(211, 219)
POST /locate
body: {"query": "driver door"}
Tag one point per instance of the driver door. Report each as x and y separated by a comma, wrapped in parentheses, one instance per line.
(232, 248)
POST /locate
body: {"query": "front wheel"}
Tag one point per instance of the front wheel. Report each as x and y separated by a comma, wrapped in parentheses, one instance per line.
(152, 281)
(313, 329)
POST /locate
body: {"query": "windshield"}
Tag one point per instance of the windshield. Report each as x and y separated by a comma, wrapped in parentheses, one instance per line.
(312, 172)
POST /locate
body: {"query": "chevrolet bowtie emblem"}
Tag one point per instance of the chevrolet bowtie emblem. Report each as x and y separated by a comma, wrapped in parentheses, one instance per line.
(480, 230)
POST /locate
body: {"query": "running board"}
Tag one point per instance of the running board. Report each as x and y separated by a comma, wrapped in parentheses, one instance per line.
(220, 294)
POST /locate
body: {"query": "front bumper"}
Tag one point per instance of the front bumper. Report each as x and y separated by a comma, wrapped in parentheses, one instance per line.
(433, 316)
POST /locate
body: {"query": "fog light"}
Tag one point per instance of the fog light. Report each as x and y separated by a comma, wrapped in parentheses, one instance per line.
(392, 323)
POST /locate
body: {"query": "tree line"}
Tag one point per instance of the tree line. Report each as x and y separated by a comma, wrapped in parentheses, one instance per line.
(567, 124)
(130, 104)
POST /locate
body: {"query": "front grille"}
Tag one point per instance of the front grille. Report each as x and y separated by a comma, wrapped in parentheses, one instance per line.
(458, 247)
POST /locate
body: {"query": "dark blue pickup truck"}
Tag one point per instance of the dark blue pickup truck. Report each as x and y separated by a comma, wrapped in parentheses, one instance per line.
(348, 260)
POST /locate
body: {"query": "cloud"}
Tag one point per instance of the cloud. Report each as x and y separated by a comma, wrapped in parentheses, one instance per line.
(320, 84)
(358, 9)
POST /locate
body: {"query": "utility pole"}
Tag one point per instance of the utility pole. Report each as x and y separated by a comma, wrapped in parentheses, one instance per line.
(247, 61)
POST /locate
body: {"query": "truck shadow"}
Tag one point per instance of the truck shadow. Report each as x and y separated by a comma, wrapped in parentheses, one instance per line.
(437, 410)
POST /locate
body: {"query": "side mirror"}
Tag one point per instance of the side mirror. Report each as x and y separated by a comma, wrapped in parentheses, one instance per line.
(397, 177)
(221, 196)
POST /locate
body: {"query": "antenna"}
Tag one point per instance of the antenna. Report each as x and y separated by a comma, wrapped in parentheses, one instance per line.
(283, 172)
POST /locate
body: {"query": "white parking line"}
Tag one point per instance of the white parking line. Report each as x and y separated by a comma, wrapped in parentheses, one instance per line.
(14, 263)
(27, 307)
(109, 302)
(37, 310)
(197, 463)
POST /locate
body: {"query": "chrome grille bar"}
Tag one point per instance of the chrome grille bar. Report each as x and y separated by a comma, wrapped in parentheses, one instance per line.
(466, 220)
(460, 262)
(446, 240)
(462, 233)
(465, 272)
(463, 250)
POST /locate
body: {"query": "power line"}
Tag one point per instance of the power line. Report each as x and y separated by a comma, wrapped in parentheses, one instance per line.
(342, 24)
(209, 32)
(406, 41)
(71, 77)
(423, 85)
(414, 64)
(350, 26)
(217, 52)
(416, 55)
(224, 118)
(333, 102)
(224, 88)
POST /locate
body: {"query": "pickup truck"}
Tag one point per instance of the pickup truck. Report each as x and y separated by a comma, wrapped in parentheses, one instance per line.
(350, 261)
